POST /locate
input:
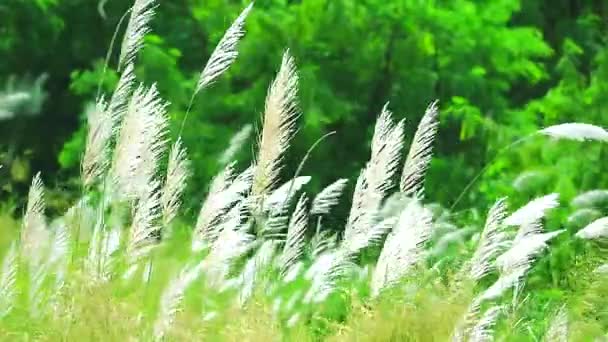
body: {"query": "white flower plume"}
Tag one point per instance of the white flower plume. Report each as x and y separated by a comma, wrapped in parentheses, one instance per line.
(96, 157)
(141, 143)
(142, 13)
(296, 235)
(236, 144)
(421, 151)
(597, 229)
(404, 246)
(225, 53)
(178, 172)
(328, 198)
(280, 115)
(375, 179)
(492, 241)
(533, 211)
(576, 131)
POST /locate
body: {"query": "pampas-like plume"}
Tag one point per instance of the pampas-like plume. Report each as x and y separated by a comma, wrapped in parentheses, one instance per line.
(120, 99)
(597, 229)
(592, 198)
(483, 331)
(387, 144)
(142, 13)
(172, 297)
(363, 209)
(96, 160)
(8, 280)
(533, 211)
(104, 243)
(404, 246)
(178, 171)
(491, 242)
(275, 225)
(232, 242)
(528, 180)
(576, 131)
(323, 241)
(471, 320)
(421, 151)
(36, 290)
(558, 328)
(59, 252)
(34, 213)
(376, 178)
(515, 262)
(523, 252)
(282, 195)
(504, 283)
(294, 272)
(254, 268)
(331, 266)
(455, 237)
(10, 101)
(601, 270)
(351, 248)
(280, 116)
(328, 198)
(583, 216)
(320, 273)
(140, 144)
(296, 235)
(225, 53)
(236, 143)
(144, 230)
(34, 235)
(528, 229)
(224, 192)
(362, 240)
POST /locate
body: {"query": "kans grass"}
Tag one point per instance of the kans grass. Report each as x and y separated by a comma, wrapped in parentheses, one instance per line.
(266, 260)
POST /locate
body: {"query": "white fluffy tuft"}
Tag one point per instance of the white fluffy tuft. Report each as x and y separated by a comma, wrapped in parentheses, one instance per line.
(576, 131)
(225, 53)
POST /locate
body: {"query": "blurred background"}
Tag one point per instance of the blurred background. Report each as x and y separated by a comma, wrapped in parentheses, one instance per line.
(501, 69)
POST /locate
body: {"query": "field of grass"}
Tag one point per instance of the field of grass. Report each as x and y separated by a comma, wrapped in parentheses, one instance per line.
(267, 260)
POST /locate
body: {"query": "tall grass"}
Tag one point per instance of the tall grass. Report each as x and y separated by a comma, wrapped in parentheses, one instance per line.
(263, 261)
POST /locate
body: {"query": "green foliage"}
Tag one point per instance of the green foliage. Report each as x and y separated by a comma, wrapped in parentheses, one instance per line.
(449, 51)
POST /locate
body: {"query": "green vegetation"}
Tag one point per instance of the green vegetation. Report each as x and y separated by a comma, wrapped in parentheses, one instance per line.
(174, 212)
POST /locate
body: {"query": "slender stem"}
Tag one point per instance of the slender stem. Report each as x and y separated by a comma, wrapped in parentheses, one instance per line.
(487, 166)
(181, 129)
(301, 166)
(109, 53)
(97, 96)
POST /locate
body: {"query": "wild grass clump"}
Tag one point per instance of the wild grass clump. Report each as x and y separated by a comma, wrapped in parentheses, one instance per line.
(264, 259)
